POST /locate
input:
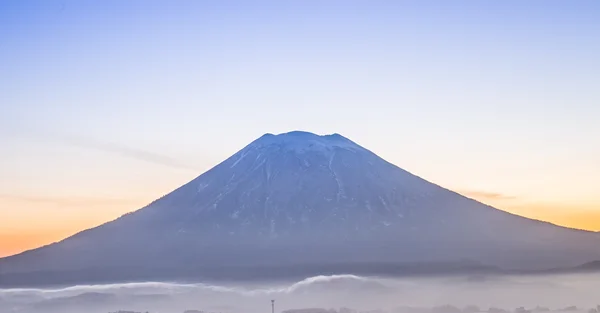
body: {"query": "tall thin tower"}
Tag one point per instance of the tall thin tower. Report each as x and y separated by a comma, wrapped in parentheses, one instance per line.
(272, 306)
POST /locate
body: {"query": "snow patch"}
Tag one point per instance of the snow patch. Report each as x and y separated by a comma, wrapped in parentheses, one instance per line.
(202, 186)
(242, 156)
(384, 203)
(340, 192)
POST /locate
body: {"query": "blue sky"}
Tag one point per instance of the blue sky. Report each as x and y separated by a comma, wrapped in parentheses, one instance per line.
(114, 103)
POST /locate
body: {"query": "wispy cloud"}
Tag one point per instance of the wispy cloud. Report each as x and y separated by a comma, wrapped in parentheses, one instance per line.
(69, 201)
(486, 195)
(125, 151)
(109, 147)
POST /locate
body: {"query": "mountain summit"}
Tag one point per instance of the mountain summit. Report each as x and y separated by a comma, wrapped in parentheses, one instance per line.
(296, 199)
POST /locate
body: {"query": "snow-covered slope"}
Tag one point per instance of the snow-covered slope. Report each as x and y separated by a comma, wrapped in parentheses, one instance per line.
(299, 198)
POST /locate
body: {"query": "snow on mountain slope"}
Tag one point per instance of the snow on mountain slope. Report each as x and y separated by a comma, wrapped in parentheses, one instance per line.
(300, 198)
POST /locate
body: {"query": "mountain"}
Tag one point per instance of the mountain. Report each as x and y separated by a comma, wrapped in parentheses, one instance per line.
(299, 200)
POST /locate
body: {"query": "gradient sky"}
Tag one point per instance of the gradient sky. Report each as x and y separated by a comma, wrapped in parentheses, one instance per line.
(107, 105)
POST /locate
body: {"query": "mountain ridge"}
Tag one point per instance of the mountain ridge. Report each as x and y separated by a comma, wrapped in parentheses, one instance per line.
(284, 195)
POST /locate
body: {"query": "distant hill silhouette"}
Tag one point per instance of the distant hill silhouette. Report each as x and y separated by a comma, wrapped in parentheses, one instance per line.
(296, 204)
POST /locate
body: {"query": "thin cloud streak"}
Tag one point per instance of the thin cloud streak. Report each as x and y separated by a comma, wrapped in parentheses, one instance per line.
(110, 147)
(68, 201)
(486, 195)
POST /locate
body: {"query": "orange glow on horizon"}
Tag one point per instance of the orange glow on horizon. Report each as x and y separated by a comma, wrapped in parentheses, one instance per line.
(574, 217)
(14, 243)
(33, 222)
(21, 237)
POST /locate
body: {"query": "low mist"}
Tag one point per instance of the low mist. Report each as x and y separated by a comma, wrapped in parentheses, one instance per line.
(340, 293)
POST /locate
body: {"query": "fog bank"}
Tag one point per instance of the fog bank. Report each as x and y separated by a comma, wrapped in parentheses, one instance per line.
(329, 292)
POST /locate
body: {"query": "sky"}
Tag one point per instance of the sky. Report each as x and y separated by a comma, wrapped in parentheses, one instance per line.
(108, 105)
